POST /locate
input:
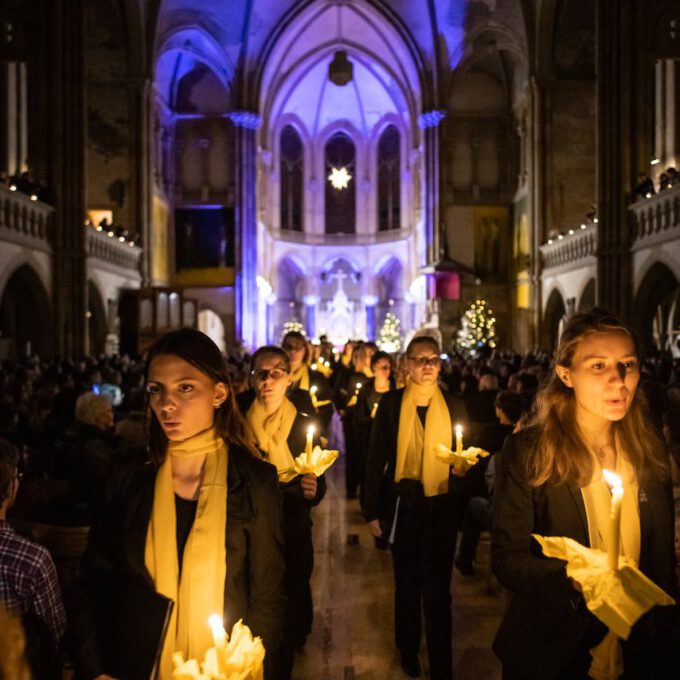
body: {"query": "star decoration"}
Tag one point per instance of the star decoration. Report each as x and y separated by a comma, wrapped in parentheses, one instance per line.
(339, 178)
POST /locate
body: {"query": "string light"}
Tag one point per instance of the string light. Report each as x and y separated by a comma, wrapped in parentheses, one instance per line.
(477, 329)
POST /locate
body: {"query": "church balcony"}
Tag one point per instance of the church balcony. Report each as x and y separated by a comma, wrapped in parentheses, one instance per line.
(572, 250)
(111, 251)
(656, 219)
(339, 239)
(25, 222)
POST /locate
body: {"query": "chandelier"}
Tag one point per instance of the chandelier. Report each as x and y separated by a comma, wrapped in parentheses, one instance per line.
(339, 178)
(341, 69)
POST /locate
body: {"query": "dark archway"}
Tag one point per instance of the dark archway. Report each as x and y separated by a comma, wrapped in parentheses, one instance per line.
(652, 306)
(554, 312)
(587, 301)
(97, 326)
(341, 198)
(26, 315)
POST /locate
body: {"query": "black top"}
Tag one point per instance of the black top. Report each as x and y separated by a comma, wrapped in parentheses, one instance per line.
(422, 414)
(185, 509)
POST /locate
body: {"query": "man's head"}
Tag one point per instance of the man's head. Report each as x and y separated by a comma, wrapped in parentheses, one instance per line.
(94, 409)
(489, 381)
(9, 474)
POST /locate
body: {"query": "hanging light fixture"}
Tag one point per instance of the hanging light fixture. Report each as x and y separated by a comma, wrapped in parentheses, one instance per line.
(341, 69)
(339, 178)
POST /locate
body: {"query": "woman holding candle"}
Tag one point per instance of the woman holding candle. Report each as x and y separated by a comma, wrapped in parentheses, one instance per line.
(589, 418)
(420, 513)
(199, 523)
(282, 433)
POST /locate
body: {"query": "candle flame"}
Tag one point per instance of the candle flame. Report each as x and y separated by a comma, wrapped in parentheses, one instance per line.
(613, 480)
(459, 430)
(313, 389)
(314, 367)
(310, 430)
(215, 623)
(358, 386)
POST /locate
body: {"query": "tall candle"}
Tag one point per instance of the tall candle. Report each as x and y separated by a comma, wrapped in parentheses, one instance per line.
(459, 439)
(310, 436)
(374, 409)
(312, 394)
(613, 548)
(358, 387)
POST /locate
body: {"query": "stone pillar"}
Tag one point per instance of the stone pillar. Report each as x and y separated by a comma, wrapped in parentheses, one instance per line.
(370, 302)
(311, 301)
(429, 123)
(246, 123)
(66, 86)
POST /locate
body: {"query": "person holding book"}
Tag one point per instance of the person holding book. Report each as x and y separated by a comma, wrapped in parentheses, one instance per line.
(589, 417)
(198, 525)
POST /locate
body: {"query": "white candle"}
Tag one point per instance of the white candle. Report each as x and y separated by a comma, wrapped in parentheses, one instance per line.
(312, 394)
(217, 627)
(613, 548)
(374, 409)
(310, 436)
(459, 439)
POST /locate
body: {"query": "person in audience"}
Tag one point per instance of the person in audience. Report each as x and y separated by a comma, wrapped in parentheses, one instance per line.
(28, 579)
(280, 433)
(589, 417)
(204, 506)
(644, 187)
(420, 516)
(481, 406)
(13, 665)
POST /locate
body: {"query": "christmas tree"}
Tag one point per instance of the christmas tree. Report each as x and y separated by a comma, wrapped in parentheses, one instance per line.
(477, 327)
(389, 339)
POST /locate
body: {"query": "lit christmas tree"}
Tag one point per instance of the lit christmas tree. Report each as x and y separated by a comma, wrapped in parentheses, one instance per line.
(293, 325)
(477, 327)
(389, 339)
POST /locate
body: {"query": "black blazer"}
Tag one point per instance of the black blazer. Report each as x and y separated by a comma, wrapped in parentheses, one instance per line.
(546, 623)
(382, 454)
(254, 588)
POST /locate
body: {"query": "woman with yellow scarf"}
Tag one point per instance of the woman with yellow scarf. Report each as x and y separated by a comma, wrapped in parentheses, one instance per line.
(419, 516)
(198, 524)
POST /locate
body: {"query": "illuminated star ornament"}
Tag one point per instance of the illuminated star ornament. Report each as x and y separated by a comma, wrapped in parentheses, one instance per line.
(339, 178)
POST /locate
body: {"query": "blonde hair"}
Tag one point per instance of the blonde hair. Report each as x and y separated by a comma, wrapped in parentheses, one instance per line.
(561, 455)
(89, 405)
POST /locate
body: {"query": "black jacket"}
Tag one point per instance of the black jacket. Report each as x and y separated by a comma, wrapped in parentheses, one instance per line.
(546, 622)
(380, 495)
(254, 589)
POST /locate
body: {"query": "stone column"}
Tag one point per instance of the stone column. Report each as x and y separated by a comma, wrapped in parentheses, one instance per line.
(311, 301)
(429, 123)
(246, 123)
(67, 173)
(370, 302)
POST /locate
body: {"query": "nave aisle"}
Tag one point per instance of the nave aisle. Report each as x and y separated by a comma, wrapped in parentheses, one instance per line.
(352, 638)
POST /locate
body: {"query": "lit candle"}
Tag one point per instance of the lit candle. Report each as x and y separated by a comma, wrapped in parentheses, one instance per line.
(358, 387)
(217, 627)
(312, 394)
(616, 487)
(314, 367)
(310, 435)
(374, 409)
(459, 439)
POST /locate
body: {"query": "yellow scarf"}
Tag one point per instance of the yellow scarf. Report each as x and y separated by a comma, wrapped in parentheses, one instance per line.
(200, 591)
(416, 457)
(301, 376)
(271, 432)
(607, 661)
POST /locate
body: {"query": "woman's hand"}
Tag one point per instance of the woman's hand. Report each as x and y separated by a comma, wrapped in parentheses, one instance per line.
(308, 484)
(374, 526)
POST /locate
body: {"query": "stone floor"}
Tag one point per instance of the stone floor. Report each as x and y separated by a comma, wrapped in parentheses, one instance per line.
(352, 638)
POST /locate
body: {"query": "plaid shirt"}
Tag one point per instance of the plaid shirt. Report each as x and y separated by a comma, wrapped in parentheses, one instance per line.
(28, 580)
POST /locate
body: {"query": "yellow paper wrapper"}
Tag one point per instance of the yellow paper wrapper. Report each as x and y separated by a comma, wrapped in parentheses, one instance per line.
(241, 658)
(617, 598)
(461, 462)
(315, 464)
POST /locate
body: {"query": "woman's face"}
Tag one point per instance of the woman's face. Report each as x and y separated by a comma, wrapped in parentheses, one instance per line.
(424, 364)
(270, 379)
(295, 349)
(382, 369)
(182, 397)
(604, 375)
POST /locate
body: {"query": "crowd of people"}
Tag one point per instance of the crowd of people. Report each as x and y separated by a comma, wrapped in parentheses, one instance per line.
(645, 188)
(187, 439)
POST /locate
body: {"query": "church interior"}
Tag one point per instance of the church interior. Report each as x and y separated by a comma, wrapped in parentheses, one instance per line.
(168, 163)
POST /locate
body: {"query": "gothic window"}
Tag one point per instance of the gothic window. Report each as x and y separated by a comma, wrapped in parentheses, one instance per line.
(292, 170)
(340, 185)
(389, 188)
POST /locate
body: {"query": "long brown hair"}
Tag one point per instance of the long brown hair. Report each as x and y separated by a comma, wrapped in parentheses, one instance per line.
(561, 455)
(200, 351)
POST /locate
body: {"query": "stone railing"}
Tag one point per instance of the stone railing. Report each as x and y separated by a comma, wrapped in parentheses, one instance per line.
(110, 250)
(570, 251)
(340, 239)
(25, 222)
(656, 219)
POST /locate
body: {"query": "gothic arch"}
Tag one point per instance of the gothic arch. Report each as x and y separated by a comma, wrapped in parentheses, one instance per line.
(97, 326)
(555, 310)
(26, 314)
(586, 300)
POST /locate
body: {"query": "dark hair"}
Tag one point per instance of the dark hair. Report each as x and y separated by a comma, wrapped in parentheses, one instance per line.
(379, 356)
(296, 335)
(270, 350)
(201, 352)
(511, 404)
(561, 455)
(422, 340)
(9, 463)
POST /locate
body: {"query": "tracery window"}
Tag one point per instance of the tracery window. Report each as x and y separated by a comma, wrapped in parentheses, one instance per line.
(340, 155)
(292, 177)
(389, 174)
